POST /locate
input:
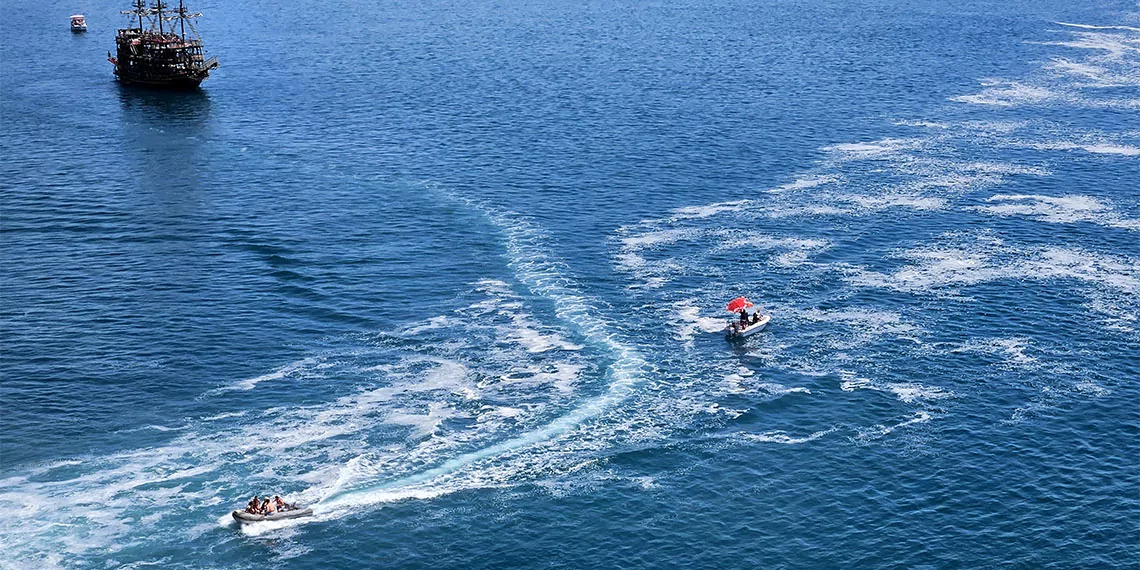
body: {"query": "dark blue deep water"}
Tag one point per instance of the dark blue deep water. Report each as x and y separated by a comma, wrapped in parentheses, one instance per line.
(454, 274)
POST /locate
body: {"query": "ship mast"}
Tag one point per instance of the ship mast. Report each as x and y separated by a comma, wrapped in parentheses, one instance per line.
(140, 11)
(158, 6)
(182, 15)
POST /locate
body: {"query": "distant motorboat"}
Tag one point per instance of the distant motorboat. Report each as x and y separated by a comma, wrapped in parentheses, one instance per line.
(78, 23)
(749, 323)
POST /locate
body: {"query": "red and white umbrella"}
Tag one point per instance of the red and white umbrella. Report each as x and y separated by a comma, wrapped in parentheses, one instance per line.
(738, 304)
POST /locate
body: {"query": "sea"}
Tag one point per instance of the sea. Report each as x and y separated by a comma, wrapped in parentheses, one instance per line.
(453, 273)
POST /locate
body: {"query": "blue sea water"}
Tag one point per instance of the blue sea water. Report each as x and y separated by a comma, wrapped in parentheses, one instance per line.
(453, 273)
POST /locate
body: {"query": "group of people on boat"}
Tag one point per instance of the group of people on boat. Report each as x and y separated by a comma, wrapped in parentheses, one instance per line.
(748, 321)
(268, 506)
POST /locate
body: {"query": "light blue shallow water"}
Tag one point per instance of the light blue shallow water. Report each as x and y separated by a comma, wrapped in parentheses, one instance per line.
(453, 273)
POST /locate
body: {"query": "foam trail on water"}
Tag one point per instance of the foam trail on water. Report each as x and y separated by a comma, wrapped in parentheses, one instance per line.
(543, 275)
(1092, 27)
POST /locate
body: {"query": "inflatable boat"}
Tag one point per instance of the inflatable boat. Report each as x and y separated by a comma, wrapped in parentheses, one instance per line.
(247, 518)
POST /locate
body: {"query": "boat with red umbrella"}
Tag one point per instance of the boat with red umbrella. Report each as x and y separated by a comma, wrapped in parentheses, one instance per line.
(751, 319)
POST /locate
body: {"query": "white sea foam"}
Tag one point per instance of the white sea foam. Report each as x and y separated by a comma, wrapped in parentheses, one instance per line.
(736, 240)
(908, 392)
(424, 423)
(707, 211)
(1092, 75)
(525, 332)
(1095, 147)
(516, 325)
(860, 325)
(806, 182)
(1092, 27)
(878, 431)
(1091, 388)
(1115, 47)
(1118, 312)
(634, 246)
(879, 322)
(561, 375)
(630, 261)
(434, 323)
(223, 416)
(1011, 349)
(981, 257)
(687, 321)
(1107, 148)
(649, 239)
(781, 390)
(779, 436)
(297, 368)
(652, 275)
(1002, 93)
(1109, 60)
(1058, 209)
(924, 124)
(885, 201)
(879, 149)
(794, 251)
(810, 210)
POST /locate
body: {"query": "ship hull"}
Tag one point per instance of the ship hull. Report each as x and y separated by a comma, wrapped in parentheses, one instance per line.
(160, 60)
(182, 83)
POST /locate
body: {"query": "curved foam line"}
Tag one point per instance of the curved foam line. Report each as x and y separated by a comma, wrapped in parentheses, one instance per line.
(1092, 27)
(540, 273)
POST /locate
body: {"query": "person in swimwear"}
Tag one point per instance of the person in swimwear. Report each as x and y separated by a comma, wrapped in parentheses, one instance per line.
(253, 506)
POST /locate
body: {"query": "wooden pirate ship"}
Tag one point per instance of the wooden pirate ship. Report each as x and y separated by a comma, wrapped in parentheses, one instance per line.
(159, 53)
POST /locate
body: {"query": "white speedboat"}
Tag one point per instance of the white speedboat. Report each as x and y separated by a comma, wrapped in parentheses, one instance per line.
(78, 23)
(750, 321)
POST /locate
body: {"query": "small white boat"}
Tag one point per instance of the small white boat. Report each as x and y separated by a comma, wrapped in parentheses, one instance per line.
(734, 330)
(78, 23)
(750, 323)
(247, 518)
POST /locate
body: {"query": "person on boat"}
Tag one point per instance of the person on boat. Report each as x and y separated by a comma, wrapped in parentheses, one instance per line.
(253, 506)
(756, 317)
(270, 507)
(743, 318)
(279, 503)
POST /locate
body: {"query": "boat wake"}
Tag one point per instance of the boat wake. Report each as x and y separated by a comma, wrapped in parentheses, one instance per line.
(544, 276)
(508, 400)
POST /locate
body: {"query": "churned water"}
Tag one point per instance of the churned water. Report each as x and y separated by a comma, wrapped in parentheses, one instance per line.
(453, 273)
